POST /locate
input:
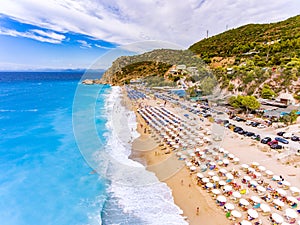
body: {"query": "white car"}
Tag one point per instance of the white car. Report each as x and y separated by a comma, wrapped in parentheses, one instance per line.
(261, 126)
(248, 122)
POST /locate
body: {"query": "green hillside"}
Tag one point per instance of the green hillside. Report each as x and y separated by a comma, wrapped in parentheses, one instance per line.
(247, 58)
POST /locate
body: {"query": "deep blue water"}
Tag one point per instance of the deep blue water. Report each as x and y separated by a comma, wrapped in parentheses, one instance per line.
(55, 132)
(43, 177)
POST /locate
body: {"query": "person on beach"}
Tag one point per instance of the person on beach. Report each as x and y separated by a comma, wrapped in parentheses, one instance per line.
(198, 210)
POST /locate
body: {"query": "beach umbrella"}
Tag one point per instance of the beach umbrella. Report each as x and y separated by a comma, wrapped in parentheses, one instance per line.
(229, 206)
(176, 146)
(221, 198)
(251, 170)
(226, 161)
(230, 156)
(229, 176)
(243, 202)
(281, 192)
(223, 171)
(295, 190)
(200, 175)
(215, 178)
(236, 194)
(255, 199)
(278, 202)
(269, 172)
(227, 188)
(179, 153)
(209, 185)
(244, 166)
(245, 222)
(211, 173)
(236, 160)
(183, 157)
(247, 178)
(292, 199)
(205, 180)
(192, 154)
(221, 150)
(253, 183)
(236, 214)
(265, 207)
(253, 213)
(222, 182)
(291, 213)
(286, 183)
(255, 164)
(261, 189)
(220, 163)
(188, 164)
(262, 168)
(277, 218)
(193, 168)
(257, 174)
(276, 178)
(216, 191)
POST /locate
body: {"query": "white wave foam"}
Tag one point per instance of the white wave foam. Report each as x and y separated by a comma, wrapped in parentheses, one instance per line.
(22, 110)
(138, 191)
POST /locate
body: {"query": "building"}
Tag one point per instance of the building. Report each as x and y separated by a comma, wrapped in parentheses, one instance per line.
(286, 98)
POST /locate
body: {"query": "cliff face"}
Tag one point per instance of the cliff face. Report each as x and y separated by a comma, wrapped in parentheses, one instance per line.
(155, 62)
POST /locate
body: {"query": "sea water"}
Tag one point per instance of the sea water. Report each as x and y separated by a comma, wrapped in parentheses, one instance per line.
(47, 177)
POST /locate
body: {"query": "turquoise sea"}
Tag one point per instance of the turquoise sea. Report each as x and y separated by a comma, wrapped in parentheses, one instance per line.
(52, 169)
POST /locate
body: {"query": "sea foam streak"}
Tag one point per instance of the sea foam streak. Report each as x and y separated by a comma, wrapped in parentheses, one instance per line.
(137, 190)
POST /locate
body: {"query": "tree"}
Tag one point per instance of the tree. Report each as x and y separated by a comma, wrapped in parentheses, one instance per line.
(294, 116)
(250, 103)
(267, 92)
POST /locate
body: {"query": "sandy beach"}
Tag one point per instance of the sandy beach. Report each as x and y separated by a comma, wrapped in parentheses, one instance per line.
(197, 204)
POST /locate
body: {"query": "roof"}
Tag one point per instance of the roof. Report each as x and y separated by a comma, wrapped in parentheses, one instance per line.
(286, 96)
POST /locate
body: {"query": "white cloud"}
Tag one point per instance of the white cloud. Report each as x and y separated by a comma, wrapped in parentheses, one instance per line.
(127, 21)
(101, 46)
(50, 37)
(84, 44)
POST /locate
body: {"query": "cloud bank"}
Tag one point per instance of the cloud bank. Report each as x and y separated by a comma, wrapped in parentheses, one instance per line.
(127, 21)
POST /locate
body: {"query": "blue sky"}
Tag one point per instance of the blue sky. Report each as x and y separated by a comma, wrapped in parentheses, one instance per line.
(58, 34)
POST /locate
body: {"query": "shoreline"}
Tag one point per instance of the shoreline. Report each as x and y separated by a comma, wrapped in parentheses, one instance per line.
(187, 195)
(198, 206)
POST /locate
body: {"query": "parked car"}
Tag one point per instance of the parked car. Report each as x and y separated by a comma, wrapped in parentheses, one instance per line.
(282, 140)
(288, 135)
(265, 140)
(248, 122)
(276, 146)
(295, 138)
(270, 143)
(280, 133)
(261, 126)
(256, 137)
(249, 134)
(242, 132)
(237, 129)
(254, 124)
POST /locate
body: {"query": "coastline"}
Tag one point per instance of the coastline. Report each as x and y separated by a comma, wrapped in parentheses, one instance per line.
(187, 195)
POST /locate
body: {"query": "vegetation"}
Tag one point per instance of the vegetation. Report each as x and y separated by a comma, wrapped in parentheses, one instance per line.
(290, 118)
(150, 63)
(246, 103)
(267, 92)
(257, 54)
